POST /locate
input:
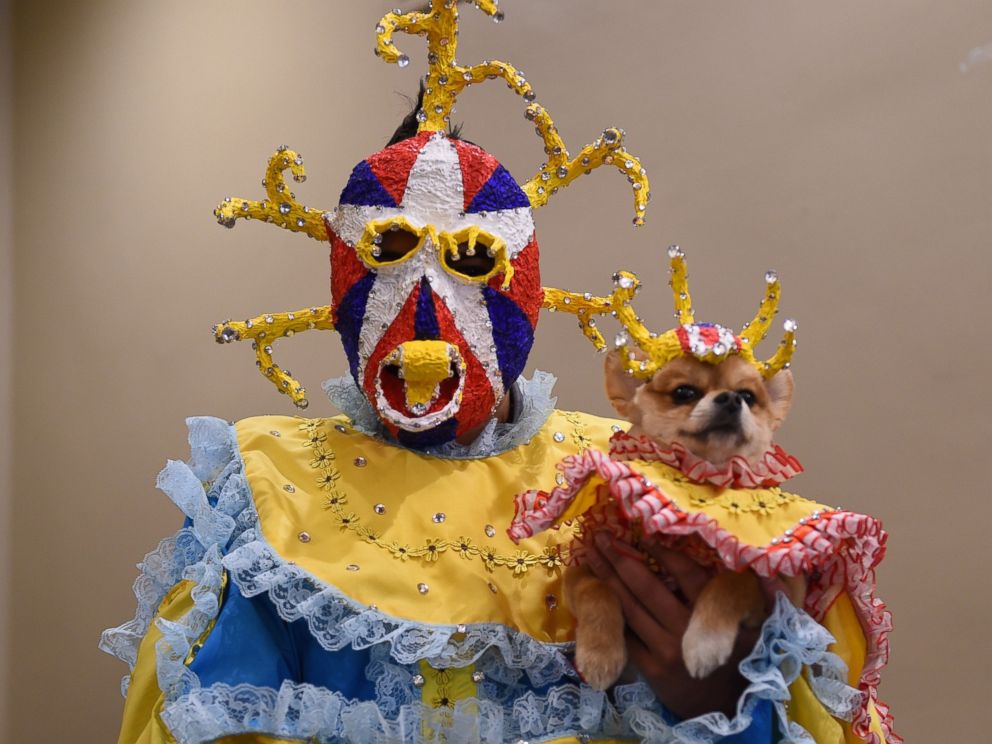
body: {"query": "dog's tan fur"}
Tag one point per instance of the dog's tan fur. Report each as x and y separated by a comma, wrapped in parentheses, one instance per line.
(655, 409)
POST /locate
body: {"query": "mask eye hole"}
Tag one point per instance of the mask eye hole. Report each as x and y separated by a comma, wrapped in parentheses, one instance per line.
(475, 255)
(394, 244)
(474, 261)
(390, 241)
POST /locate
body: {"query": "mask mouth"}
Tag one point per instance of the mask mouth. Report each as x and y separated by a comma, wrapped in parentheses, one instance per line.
(419, 385)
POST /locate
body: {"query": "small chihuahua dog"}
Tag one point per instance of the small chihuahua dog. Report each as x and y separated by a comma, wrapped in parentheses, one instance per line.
(717, 412)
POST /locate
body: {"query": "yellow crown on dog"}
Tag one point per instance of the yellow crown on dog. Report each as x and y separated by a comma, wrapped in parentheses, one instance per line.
(708, 342)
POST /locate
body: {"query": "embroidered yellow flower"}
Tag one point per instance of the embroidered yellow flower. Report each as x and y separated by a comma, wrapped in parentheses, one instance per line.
(464, 547)
(433, 548)
(321, 458)
(698, 501)
(551, 559)
(442, 701)
(734, 507)
(335, 500)
(490, 558)
(346, 520)
(399, 551)
(315, 438)
(369, 534)
(327, 478)
(763, 505)
(522, 561)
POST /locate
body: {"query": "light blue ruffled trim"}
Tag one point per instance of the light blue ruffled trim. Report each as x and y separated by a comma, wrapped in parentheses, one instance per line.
(532, 404)
(193, 553)
(336, 621)
(305, 712)
(790, 641)
(161, 570)
(224, 525)
(224, 522)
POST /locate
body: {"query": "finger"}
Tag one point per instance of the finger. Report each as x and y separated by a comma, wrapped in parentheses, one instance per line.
(664, 607)
(772, 587)
(638, 618)
(657, 662)
(689, 575)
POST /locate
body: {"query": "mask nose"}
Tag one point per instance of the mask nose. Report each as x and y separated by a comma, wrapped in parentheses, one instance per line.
(423, 366)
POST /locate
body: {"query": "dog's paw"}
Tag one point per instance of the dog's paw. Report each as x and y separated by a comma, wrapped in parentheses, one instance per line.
(705, 649)
(600, 663)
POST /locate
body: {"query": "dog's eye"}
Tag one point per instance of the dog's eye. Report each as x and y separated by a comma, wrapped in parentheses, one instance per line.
(748, 397)
(685, 394)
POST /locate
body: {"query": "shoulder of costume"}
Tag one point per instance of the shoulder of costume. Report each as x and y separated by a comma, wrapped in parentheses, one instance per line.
(367, 541)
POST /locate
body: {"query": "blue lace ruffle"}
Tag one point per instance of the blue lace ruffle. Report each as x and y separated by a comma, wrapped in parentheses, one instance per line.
(222, 534)
(336, 622)
(532, 400)
(790, 640)
(193, 554)
(305, 712)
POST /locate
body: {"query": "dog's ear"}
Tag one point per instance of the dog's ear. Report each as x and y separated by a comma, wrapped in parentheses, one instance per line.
(780, 388)
(620, 387)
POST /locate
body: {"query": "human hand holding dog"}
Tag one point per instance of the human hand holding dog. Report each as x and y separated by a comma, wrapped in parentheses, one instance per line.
(657, 618)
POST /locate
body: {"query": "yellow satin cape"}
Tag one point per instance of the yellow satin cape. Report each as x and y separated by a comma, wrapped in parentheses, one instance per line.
(423, 539)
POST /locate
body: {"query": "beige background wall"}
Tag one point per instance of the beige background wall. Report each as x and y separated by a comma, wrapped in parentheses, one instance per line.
(6, 345)
(839, 142)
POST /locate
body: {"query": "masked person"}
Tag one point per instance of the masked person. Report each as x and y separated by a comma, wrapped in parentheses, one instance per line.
(350, 578)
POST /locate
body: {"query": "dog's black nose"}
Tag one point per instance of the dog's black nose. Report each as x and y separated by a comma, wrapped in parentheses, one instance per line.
(728, 401)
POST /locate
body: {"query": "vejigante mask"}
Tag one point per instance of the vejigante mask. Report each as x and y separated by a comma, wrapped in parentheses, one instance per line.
(435, 280)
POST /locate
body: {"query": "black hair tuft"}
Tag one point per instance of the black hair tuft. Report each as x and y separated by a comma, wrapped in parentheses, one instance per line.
(410, 124)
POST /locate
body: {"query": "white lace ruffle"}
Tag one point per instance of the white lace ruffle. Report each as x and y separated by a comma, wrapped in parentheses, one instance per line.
(336, 622)
(305, 712)
(533, 403)
(790, 642)
(185, 555)
(161, 570)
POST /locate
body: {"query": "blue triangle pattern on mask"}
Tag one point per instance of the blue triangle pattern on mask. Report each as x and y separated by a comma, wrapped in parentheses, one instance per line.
(364, 190)
(499, 192)
(512, 335)
(350, 314)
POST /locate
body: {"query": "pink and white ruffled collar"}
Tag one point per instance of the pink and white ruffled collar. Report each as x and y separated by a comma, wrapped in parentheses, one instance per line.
(775, 466)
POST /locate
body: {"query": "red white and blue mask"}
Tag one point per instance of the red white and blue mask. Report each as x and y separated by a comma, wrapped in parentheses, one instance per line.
(435, 284)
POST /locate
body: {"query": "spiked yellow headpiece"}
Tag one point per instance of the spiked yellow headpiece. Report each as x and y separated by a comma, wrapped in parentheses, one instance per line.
(443, 83)
(707, 342)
